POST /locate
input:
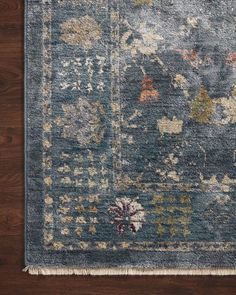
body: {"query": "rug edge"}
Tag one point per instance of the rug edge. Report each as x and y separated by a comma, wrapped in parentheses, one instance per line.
(36, 270)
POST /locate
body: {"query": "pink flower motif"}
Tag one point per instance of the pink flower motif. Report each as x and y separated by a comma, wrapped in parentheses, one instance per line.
(127, 214)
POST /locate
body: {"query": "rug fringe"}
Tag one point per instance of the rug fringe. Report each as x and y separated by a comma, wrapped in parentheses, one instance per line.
(36, 270)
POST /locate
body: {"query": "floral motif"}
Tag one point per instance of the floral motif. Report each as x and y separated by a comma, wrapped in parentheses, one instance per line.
(231, 59)
(202, 107)
(128, 214)
(148, 93)
(143, 2)
(83, 121)
(228, 115)
(146, 43)
(170, 126)
(84, 31)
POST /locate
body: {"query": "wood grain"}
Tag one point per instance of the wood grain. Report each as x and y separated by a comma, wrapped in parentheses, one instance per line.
(12, 279)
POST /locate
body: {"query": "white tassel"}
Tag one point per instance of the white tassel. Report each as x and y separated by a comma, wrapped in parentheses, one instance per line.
(36, 270)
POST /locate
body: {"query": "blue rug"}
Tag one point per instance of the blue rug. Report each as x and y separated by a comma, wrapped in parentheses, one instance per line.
(130, 146)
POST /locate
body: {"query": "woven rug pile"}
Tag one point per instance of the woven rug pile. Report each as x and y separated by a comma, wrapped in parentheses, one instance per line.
(130, 145)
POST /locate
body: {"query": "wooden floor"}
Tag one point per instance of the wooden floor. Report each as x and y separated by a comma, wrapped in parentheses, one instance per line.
(12, 280)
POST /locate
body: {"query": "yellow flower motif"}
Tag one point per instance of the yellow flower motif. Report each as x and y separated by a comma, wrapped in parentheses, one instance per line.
(92, 229)
(103, 171)
(48, 218)
(64, 156)
(170, 199)
(46, 92)
(83, 245)
(160, 229)
(92, 171)
(63, 210)
(173, 175)
(173, 230)
(115, 107)
(48, 180)
(93, 199)
(79, 158)
(179, 81)
(186, 231)
(124, 245)
(202, 107)
(170, 126)
(171, 160)
(103, 158)
(80, 208)
(65, 199)
(93, 209)
(78, 182)
(93, 220)
(185, 199)
(193, 21)
(65, 231)
(78, 171)
(83, 31)
(143, 2)
(66, 219)
(90, 156)
(48, 200)
(48, 237)
(158, 210)
(47, 127)
(104, 183)
(79, 231)
(66, 180)
(47, 144)
(157, 199)
(47, 162)
(64, 169)
(58, 245)
(80, 219)
(102, 245)
(91, 183)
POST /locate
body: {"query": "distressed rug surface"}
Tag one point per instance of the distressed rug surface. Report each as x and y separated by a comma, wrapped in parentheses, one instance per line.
(130, 120)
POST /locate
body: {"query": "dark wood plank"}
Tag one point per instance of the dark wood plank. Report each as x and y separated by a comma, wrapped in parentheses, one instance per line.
(12, 279)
